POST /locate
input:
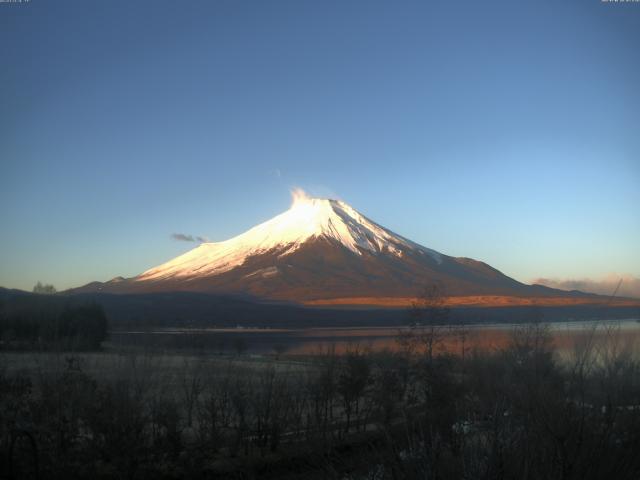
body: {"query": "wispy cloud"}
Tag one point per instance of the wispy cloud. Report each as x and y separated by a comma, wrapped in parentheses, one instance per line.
(630, 286)
(181, 237)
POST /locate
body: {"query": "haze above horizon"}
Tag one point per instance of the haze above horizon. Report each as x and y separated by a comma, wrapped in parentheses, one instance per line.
(501, 131)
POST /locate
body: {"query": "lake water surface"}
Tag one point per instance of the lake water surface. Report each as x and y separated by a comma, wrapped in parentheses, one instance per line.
(565, 336)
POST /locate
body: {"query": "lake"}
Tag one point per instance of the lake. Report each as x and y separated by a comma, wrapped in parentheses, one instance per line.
(261, 341)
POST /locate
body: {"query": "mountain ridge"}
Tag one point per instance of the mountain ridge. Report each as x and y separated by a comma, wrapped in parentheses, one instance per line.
(318, 251)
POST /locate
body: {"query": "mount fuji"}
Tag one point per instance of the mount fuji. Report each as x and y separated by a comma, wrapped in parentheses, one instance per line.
(323, 251)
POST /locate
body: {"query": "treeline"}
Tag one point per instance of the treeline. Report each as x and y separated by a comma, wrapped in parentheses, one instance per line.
(189, 309)
(47, 322)
(517, 413)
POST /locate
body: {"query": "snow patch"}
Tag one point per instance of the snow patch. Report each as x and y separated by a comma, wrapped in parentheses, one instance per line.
(263, 272)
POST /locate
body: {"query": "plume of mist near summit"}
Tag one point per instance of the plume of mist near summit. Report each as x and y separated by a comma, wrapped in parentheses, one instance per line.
(298, 195)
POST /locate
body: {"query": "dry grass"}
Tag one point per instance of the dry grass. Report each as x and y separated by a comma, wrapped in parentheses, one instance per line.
(479, 301)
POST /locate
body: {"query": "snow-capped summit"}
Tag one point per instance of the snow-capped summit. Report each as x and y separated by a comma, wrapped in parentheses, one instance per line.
(308, 218)
(319, 249)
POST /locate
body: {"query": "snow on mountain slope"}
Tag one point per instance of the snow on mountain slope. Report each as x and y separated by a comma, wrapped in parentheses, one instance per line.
(308, 218)
(319, 250)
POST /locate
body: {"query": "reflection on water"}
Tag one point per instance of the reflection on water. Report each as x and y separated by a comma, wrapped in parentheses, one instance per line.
(565, 336)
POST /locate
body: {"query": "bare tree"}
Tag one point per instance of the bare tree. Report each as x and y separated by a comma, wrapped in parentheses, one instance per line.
(279, 349)
(429, 317)
(353, 380)
(239, 345)
(462, 332)
(44, 289)
(192, 387)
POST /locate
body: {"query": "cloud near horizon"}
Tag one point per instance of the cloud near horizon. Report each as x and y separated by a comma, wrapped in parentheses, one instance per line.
(630, 286)
(181, 237)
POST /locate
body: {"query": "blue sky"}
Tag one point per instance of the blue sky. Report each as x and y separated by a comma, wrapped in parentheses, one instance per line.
(503, 131)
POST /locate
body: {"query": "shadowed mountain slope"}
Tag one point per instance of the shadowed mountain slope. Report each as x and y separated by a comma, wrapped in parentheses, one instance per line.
(322, 250)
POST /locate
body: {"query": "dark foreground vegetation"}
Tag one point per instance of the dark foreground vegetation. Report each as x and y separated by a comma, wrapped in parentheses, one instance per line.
(518, 413)
(44, 322)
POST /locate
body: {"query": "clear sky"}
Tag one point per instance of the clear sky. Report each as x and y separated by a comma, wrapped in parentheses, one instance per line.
(506, 131)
